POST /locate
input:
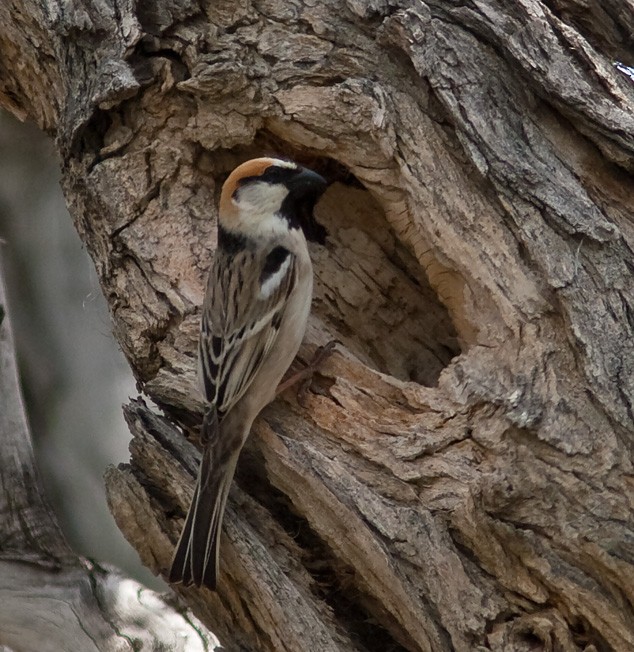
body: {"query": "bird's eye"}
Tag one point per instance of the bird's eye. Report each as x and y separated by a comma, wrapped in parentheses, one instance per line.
(275, 174)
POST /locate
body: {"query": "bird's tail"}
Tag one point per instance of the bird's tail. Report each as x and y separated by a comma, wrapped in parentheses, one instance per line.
(195, 559)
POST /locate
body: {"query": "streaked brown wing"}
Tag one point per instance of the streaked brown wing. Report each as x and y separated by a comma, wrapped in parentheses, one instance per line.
(245, 305)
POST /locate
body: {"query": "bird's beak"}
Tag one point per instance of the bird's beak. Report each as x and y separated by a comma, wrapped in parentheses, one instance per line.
(306, 182)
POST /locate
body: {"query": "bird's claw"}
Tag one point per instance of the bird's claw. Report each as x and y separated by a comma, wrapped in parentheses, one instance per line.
(305, 375)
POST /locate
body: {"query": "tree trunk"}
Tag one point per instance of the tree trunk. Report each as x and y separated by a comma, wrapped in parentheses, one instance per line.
(459, 474)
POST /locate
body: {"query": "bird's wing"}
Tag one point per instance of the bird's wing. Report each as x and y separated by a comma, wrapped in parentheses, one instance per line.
(247, 295)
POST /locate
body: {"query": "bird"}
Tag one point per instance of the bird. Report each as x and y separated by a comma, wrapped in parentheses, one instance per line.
(254, 317)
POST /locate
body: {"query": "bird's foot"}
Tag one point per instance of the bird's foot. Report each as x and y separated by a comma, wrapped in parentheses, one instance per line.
(305, 375)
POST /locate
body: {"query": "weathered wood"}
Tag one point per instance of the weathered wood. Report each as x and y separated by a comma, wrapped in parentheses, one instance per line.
(459, 476)
(28, 529)
(89, 608)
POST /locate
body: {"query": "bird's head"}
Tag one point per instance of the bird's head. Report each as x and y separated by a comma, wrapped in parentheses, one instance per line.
(266, 196)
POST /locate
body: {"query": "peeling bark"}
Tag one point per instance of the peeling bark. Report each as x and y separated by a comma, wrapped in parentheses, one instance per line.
(459, 475)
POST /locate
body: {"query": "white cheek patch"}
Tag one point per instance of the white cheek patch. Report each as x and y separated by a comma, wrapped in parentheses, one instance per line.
(273, 282)
(258, 199)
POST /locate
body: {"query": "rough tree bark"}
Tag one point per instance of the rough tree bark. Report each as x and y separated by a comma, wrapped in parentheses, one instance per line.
(459, 476)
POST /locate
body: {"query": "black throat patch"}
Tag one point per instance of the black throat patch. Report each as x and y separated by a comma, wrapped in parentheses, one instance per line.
(299, 213)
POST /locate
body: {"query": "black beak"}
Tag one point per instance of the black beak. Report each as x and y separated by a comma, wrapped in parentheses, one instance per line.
(306, 182)
(305, 187)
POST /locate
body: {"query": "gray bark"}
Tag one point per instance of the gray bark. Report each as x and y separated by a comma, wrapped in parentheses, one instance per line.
(458, 477)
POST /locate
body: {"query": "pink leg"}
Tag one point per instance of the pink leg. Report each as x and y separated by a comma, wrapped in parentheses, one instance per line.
(321, 354)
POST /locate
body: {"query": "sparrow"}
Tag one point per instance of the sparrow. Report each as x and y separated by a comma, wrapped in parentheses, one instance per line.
(254, 317)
